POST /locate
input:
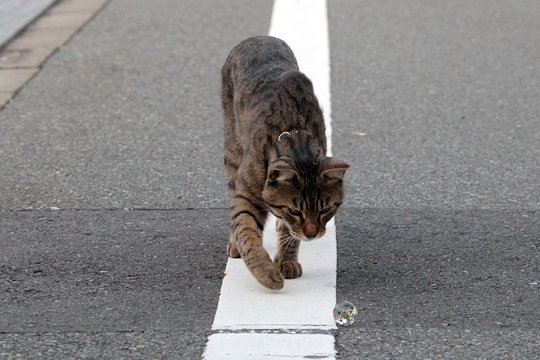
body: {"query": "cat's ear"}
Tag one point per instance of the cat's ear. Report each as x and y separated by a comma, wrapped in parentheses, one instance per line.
(281, 171)
(332, 170)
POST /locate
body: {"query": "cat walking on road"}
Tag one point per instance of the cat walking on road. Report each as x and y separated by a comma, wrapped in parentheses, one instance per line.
(275, 157)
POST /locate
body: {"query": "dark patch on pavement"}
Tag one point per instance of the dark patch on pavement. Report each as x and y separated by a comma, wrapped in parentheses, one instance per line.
(139, 272)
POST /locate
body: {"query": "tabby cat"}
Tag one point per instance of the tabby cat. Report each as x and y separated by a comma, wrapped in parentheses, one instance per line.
(275, 159)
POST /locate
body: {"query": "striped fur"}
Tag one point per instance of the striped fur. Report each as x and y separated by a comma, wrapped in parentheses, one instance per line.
(264, 95)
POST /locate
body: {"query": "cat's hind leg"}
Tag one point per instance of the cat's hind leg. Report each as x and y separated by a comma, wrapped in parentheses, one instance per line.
(233, 150)
(286, 257)
(232, 160)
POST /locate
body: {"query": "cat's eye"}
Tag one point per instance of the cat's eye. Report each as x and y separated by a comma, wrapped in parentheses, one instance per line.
(325, 210)
(295, 212)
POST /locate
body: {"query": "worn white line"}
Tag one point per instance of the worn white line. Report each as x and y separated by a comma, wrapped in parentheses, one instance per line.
(295, 322)
(270, 346)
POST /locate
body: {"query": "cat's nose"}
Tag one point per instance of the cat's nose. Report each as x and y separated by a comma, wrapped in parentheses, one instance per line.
(310, 229)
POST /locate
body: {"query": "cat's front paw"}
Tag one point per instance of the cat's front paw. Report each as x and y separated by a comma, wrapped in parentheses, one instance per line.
(269, 276)
(291, 269)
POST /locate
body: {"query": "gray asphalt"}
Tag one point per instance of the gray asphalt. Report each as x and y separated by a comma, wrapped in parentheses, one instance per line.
(112, 283)
(447, 95)
(128, 114)
(460, 284)
(125, 116)
(435, 105)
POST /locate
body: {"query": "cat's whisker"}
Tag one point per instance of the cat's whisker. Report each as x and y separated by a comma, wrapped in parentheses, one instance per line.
(286, 243)
(284, 237)
(290, 242)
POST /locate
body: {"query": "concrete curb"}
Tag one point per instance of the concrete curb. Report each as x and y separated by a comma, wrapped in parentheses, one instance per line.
(24, 55)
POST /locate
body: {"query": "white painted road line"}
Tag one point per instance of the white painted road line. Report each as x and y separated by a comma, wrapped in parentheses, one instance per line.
(303, 25)
(303, 303)
(270, 346)
(295, 322)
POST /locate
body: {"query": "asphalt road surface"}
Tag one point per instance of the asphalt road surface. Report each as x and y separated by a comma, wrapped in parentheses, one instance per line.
(113, 212)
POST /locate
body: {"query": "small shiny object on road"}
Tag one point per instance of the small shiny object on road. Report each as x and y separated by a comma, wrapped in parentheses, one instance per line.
(345, 313)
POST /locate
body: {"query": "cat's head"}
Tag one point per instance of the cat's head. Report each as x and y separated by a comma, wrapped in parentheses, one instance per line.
(305, 195)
